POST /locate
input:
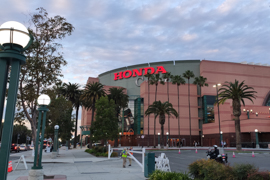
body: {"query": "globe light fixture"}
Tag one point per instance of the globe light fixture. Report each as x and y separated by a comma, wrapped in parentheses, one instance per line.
(56, 127)
(14, 39)
(44, 100)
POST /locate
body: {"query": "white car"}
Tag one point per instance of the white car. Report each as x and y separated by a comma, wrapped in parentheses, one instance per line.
(23, 148)
(32, 147)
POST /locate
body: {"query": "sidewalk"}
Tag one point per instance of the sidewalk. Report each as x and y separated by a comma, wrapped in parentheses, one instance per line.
(79, 165)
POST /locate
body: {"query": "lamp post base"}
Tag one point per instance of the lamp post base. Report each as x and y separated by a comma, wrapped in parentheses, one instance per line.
(36, 174)
(257, 146)
(119, 145)
(54, 155)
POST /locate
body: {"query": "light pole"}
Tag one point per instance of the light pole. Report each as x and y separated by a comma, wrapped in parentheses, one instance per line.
(257, 138)
(216, 86)
(55, 144)
(120, 139)
(167, 133)
(36, 172)
(14, 40)
(158, 140)
(221, 137)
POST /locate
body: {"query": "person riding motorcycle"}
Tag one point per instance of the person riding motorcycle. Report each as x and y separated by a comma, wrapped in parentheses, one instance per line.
(216, 151)
(214, 154)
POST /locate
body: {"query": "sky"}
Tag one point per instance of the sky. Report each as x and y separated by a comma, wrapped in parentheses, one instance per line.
(111, 34)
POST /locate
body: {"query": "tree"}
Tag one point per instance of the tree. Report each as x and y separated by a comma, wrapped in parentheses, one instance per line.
(73, 94)
(167, 77)
(161, 109)
(44, 61)
(120, 100)
(23, 132)
(189, 74)
(178, 80)
(237, 92)
(105, 126)
(154, 80)
(148, 76)
(201, 81)
(92, 92)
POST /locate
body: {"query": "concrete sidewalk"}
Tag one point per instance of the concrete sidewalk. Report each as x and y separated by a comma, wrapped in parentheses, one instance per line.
(79, 165)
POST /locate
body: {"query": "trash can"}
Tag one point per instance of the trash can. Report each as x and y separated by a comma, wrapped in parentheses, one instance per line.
(149, 164)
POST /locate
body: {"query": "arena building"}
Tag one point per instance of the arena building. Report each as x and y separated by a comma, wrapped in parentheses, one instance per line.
(205, 117)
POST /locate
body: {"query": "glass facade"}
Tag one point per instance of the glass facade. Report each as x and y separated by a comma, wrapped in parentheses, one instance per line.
(208, 109)
(138, 116)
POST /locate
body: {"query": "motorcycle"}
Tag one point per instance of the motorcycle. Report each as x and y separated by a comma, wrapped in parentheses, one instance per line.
(221, 158)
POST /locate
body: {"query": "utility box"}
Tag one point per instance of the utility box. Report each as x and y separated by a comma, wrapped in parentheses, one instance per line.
(149, 164)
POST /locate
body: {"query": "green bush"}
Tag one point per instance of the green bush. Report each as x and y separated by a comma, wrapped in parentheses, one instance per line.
(210, 169)
(161, 175)
(259, 176)
(241, 171)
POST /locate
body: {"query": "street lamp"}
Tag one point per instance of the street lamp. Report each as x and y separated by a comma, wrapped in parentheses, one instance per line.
(55, 146)
(221, 137)
(216, 86)
(257, 138)
(158, 139)
(167, 133)
(14, 40)
(120, 139)
(43, 101)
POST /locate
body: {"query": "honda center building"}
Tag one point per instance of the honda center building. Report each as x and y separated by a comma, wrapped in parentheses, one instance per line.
(206, 120)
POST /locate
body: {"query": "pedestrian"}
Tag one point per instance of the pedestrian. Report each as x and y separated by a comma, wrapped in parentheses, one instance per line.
(129, 157)
(124, 156)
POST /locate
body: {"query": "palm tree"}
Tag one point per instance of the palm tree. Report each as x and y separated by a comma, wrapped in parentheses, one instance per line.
(121, 101)
(189, 74)
(178, 80)
(161, 109)
(237, 92)
(200, 81)
(155, 79)
(167, 76)
(148, 76)
(73, 93)
(92, 92)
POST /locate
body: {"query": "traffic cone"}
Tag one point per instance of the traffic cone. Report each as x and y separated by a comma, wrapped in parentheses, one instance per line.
(196, 151)
(10, 166)
(233, 155)
(179, 152)
(253, 154)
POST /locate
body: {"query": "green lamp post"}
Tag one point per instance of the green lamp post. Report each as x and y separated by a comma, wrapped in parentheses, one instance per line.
(120, 139)
(14, 40)
(55, 145)
(43, 101)
(167, 133)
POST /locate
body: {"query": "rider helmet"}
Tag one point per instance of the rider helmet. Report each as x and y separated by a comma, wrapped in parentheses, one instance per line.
(215, 146)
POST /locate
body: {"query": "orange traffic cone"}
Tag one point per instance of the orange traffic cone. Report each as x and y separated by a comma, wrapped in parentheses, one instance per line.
(233, 155)
(10, 166)
(179, 152)
(253, 154)
(196, 151)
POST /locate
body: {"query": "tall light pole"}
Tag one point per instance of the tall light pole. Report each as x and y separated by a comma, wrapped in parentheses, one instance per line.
(158, 139)
(120, 139)
(167, 133)
(55, 144)
(36, 172)
(216, 86)
(14, 40)
(257, 138)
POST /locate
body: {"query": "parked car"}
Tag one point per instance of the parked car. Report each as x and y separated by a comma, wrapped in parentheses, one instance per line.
(23, 148)
(32, 147)
(15, 147)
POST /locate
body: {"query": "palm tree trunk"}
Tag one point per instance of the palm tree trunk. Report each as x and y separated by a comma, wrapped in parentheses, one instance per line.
(76, 126)
(92, 120)
(162, 136)
(168, 115)
(190, 143)
(178, 116)
(201, 118)
(238, 133)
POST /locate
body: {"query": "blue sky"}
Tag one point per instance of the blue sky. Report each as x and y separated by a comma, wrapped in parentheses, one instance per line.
(114, 33)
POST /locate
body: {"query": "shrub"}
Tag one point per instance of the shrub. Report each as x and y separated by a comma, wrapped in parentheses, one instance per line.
(161, 175)
(264, 175)
(210, 169)
(114, 154)
(241, 171)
